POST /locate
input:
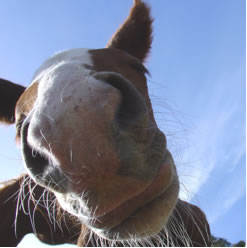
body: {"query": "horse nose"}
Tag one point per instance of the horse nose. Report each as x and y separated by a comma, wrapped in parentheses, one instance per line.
(93, 109)
(132, 108)
(38, 164)
(29, 153)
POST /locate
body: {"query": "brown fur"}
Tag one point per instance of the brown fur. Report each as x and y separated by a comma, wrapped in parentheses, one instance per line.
(18, 207)
(151, 181)
(135, 34)
(9, 94)
(24, 209)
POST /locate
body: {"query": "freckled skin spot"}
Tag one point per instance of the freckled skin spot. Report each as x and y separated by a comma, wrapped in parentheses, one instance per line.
(67, 99)
(76, 108)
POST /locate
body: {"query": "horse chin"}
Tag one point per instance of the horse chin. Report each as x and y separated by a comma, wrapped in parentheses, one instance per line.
(139, 217)
(146, 221)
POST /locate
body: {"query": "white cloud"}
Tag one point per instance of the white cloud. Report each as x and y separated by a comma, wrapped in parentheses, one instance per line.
(228, 195)
(206, 153)
(217, 142)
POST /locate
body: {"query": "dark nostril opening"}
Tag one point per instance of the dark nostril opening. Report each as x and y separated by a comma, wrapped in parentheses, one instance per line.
(34, 162)
(39, 167)
(133, 106)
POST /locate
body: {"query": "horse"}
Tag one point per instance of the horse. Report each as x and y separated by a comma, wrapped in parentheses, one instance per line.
(98, 169)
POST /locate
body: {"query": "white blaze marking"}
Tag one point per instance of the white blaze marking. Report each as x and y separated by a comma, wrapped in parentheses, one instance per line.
(77, 56)
(65, 83)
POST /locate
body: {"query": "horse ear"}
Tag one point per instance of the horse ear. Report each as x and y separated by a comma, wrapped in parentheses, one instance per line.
(9, 95)
(135, 35)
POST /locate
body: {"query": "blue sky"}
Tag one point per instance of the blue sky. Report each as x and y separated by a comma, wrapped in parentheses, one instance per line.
(197, 86)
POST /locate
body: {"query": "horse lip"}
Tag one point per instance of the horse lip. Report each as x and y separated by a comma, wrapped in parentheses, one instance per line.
(158, 188)
(110, 230)
(54, 180)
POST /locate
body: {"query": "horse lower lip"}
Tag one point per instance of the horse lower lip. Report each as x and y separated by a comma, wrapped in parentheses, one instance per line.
(56, 180)
(160, 184)
(139, 216)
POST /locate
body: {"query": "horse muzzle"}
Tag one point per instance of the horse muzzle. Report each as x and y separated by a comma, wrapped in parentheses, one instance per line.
(91, 142)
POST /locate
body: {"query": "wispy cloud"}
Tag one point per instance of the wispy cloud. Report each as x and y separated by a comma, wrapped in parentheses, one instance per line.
(208, 151)
(216, 144)
(231, 192)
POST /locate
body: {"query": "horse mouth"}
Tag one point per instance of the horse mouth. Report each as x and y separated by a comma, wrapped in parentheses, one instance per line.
(141, 216)
(145, 221)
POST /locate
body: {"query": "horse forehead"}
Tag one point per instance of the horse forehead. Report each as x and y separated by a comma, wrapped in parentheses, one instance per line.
(85, 60)
(63, 62)
(77, 64)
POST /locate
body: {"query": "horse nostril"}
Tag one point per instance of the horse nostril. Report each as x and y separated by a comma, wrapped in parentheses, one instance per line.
(34, 162)
(39, 167)
(133, 106)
